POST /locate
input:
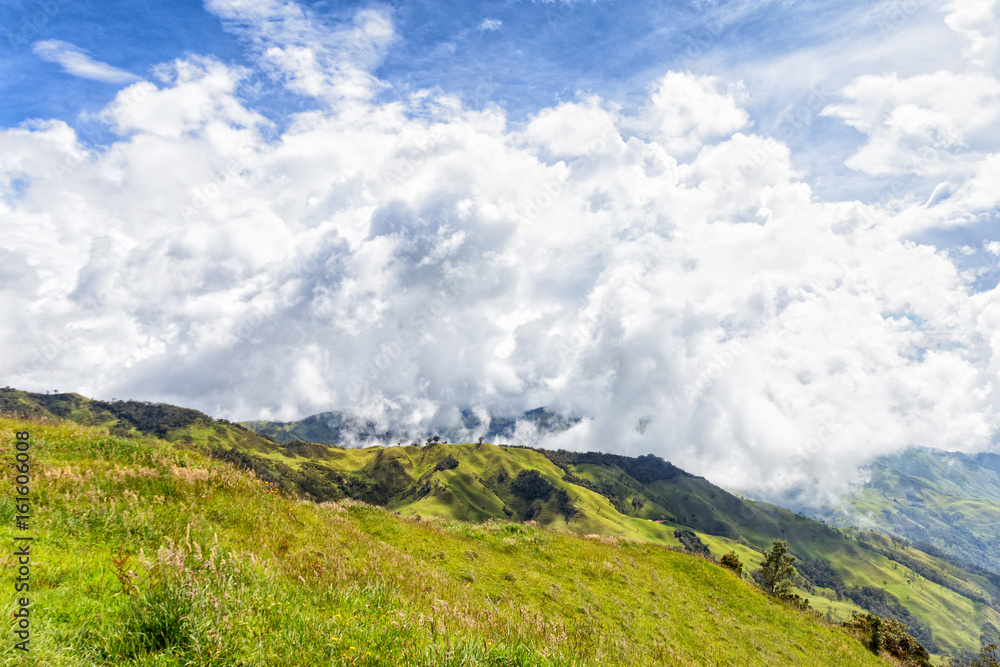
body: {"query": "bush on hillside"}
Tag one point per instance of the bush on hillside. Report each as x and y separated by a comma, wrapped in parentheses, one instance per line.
(891, 636)
(529, 484)
(692, 543)
(644, 469)
(447, 463)
(157, 419)
(884, 604)
(819, 574)
(732, 562)
(565, 504)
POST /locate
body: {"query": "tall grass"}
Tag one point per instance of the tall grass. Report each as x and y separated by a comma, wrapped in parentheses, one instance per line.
(147, 553)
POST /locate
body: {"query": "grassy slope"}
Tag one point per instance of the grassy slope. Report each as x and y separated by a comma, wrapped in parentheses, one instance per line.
(231, 572)
(948, 500)
(405, 480)
(955, 620)
(465, 493)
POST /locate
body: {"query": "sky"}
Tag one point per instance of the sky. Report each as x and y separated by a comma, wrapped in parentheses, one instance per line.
(757, 238)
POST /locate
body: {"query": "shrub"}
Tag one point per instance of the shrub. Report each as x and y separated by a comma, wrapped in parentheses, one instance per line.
(732, 561)
(529, 484)
(881, 603)
(447, 463)
(890, 636)
(692, 543)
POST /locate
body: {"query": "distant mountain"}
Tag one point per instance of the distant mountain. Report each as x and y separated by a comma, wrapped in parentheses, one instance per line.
(951, 608)
(343, 429)
(948, 500)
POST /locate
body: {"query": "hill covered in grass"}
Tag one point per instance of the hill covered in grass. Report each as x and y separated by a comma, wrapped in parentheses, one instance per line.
(950, 608)
(149, 552)
(948, 500)
(647, 499)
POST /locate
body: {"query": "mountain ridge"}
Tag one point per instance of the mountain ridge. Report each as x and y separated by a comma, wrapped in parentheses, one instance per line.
(337, 427)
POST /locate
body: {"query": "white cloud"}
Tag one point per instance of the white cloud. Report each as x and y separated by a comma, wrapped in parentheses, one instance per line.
(312, 59)
(406, 259)
(931, 124)
(976, 20)
(490, 25)
(685, 111)
(74, 61)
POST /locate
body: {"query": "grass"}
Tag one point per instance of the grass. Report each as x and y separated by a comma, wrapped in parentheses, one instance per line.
(469, 493)
(151, 553)
(605, 499)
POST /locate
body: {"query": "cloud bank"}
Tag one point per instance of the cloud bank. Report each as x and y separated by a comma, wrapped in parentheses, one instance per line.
(666, 274)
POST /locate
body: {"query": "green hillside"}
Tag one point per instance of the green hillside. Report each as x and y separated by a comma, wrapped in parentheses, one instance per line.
(148, 552)
(950, 608)
(948, 500)
(480, 482)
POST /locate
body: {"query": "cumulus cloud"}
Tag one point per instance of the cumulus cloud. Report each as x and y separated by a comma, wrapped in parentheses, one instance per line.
(667, 274)
(940, 127)
(931, 124)
(74, 61)
(490, 25)
(683, 112)
(977, 21)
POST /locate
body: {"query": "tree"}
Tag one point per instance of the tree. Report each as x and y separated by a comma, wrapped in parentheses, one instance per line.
(732, 562)
(776, 572)
(989, 656)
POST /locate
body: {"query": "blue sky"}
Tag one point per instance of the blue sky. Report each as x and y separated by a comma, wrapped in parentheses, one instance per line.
(538, 55)
(764, 229)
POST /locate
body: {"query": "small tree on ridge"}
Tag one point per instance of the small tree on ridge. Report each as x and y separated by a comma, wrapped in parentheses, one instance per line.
(776, 572)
